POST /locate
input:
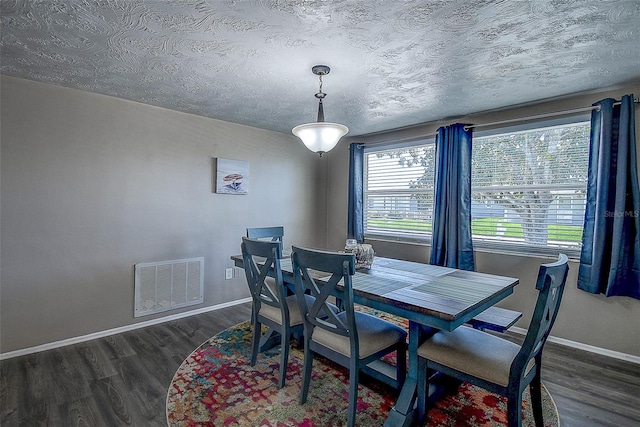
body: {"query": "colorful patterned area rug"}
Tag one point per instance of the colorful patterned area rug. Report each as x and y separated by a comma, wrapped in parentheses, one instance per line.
(215, 386)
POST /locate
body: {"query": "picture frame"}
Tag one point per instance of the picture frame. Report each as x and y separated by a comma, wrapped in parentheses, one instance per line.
(232, 176)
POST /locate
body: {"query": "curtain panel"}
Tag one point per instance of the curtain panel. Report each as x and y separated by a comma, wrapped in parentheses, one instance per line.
(355, 209)
(610, 257)
(451, 244)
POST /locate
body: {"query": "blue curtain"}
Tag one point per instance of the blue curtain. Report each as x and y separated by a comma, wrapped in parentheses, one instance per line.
(355, 219)
(451, 244)
(610, 258)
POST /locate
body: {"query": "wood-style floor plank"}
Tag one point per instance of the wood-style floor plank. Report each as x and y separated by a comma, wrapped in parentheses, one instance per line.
(68, 375)
(122, 380)
(79, 412)
(146, 395)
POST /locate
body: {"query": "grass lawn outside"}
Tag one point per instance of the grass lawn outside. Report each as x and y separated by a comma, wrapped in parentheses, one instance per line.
(491, 227)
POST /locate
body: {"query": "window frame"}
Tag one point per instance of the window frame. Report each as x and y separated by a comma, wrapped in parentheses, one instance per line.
(481, 245)
(392, 236)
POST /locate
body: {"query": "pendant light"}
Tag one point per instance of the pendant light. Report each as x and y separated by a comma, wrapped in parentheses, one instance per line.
(320, 136)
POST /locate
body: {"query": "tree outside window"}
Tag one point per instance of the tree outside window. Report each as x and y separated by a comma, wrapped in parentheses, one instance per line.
(528, 189)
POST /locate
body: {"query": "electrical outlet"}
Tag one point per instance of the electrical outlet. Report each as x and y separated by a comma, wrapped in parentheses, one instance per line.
(236, 272)
(228, 273)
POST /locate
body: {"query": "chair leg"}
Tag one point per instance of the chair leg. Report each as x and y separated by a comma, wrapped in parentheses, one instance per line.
(306, 370)
(255, 341)
(514, 409)
(401, 365)
(423, 387)
(536, 400)
(354, 380)
(284, 355)
(298, 335)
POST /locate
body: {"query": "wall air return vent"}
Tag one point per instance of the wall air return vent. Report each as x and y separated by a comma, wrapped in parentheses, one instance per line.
(167, 285)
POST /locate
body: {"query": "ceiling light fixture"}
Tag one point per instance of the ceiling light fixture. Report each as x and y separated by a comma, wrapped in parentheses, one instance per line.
(321, 136)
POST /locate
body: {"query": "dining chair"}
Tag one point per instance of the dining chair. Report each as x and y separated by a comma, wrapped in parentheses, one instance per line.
(273, 233)
(492, 362)
(350, 338)
(271, 305)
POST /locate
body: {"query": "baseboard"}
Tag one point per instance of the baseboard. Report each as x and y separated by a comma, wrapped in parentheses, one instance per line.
(586, 347)
(119, 330)
(84, 338)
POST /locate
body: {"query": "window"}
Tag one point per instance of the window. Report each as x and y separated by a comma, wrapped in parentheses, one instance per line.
(528, 189)
(398, 193)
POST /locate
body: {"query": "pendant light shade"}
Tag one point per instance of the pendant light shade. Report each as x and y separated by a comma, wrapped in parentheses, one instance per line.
(320, 136)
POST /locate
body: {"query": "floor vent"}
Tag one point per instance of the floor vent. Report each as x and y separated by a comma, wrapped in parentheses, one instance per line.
(167, 285)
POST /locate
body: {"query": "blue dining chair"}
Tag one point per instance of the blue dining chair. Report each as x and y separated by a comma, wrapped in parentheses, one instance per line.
(492, 362)
(350, 338)
(271, 305)
(273, 233)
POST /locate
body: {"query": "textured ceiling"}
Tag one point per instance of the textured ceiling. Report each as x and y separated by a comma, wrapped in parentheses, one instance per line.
(393, 63)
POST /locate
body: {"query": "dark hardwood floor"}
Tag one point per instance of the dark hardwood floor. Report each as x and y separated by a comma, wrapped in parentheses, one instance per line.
(122, 380)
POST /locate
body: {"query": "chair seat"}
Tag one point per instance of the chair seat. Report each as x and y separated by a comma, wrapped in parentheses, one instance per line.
(295, 318)
(473, 352)
(374, 334)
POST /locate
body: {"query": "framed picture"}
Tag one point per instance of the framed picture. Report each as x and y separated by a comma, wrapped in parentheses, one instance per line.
(232, 176)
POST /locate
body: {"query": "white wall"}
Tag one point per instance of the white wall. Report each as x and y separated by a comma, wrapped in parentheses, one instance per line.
(92, 185)
(595, 320)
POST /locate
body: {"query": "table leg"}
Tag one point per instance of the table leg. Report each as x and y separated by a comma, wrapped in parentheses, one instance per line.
(269, 340)
(401, 415)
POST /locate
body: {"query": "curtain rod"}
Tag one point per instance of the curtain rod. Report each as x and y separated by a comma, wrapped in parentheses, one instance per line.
(520, 119)
(397, 141)
(543, 116)
(538, 116)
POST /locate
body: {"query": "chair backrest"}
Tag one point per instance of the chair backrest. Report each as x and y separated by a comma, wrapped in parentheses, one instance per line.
(264, 274)
(331, 275)
(274, 233)
(551, 280)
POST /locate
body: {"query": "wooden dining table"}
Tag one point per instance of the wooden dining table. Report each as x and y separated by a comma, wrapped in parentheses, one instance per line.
(431, 297)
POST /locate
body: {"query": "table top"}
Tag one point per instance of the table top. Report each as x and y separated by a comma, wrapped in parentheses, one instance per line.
(440, 297)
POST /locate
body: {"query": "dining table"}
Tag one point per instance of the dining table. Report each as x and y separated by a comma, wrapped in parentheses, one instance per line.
(432, 298)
